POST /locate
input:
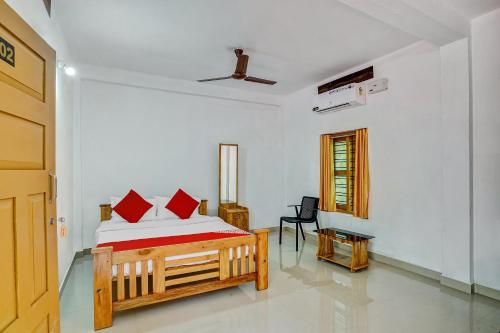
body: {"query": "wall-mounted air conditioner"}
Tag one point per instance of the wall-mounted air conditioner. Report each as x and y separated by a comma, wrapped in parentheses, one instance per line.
(347, 96)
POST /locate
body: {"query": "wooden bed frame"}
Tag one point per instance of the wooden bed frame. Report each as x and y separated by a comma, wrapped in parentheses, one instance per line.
(174, 279)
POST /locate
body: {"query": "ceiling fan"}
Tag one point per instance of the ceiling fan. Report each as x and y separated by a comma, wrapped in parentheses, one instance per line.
(240, 73)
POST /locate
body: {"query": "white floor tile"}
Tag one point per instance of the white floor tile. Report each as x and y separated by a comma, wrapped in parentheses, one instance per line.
(304, 295)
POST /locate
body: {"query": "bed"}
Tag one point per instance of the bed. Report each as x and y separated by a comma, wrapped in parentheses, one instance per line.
(155, 261)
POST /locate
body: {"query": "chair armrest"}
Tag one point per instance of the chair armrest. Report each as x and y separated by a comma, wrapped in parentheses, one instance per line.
(296, 209)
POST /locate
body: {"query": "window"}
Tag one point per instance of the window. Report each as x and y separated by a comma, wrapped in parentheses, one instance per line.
(343, 171)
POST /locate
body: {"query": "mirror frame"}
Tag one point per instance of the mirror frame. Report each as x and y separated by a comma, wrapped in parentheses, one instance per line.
(237, 170)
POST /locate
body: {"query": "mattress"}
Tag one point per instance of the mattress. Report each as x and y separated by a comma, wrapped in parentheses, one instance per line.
(115, 231)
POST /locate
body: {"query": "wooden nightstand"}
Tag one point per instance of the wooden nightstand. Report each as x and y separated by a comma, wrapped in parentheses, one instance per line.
(234, 215)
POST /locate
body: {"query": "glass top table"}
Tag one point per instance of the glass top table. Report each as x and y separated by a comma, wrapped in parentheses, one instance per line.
(358, 241)
(341, 233)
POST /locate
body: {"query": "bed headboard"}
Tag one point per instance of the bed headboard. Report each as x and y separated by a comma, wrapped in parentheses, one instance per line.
(106, 210)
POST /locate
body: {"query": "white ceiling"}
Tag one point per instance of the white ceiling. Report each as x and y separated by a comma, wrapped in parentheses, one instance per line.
(473, 8)
(295, 42)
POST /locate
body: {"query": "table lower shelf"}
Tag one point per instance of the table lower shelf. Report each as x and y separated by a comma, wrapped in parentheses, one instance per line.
(342, 259)
(338, 258)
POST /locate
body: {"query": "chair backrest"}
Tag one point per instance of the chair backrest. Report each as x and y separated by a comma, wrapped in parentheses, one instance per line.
(309, 208)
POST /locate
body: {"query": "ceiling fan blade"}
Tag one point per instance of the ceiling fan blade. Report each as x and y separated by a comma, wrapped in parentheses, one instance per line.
(257, 80)
(241, 65)
(215, 79)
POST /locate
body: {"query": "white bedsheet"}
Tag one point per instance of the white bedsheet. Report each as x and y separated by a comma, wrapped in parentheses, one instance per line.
(113, 231)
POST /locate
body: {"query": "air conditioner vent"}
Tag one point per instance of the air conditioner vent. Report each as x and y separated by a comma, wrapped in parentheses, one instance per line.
(347, 96)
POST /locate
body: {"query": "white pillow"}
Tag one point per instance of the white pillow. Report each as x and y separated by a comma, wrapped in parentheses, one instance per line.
(148, 216)
(196, 212)
(165, 214)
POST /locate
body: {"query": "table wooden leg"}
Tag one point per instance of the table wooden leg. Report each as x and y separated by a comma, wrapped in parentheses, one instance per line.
(329, 250)
(325, 247)
(353, 257)
(318, 252)
(359, 255)
(364, 253)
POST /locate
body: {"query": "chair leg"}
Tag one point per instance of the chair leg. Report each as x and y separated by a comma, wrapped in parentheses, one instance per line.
(301, 231)
(296, 237)
(281, 227)
(317, 225)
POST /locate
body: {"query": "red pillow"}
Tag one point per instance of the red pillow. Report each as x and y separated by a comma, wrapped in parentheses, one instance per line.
(132, 207)
(182, 204)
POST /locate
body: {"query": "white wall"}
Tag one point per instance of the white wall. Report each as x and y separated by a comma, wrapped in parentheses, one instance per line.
(486, 99)
(405, 153)
(156, 140)
(455, 109)
(34, 13)
(64, 165)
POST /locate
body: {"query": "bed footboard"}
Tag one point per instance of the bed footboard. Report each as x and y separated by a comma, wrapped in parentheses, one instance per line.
(230, 262)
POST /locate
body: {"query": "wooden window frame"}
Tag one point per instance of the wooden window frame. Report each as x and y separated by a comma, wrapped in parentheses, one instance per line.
(349, 137)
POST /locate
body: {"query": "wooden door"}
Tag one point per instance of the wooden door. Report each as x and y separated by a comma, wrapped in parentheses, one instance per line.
(28, 242)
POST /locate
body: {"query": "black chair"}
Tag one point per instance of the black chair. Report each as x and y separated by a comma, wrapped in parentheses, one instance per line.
(308, 214)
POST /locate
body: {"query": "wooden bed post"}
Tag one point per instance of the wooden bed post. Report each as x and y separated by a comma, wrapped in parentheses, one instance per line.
(106, 212)
(261, 281)
(203, 208)
(103, 303)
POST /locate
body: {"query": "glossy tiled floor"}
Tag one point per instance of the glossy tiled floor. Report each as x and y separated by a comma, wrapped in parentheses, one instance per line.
(304, 295)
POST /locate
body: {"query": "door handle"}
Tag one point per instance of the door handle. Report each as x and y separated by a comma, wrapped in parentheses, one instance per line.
(53, 187)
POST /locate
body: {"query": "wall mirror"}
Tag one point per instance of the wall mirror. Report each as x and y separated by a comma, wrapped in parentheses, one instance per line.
(228, 173)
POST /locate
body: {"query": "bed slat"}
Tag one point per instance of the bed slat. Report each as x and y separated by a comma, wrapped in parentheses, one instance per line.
(251, 259)
(132, 266)
(120, 286)
(178, 262)
(235, 262)
(243, 263)
(191, 269)
(191, 278)
(144, 277)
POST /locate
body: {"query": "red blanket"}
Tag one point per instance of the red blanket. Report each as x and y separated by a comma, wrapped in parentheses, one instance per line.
(136, 244)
